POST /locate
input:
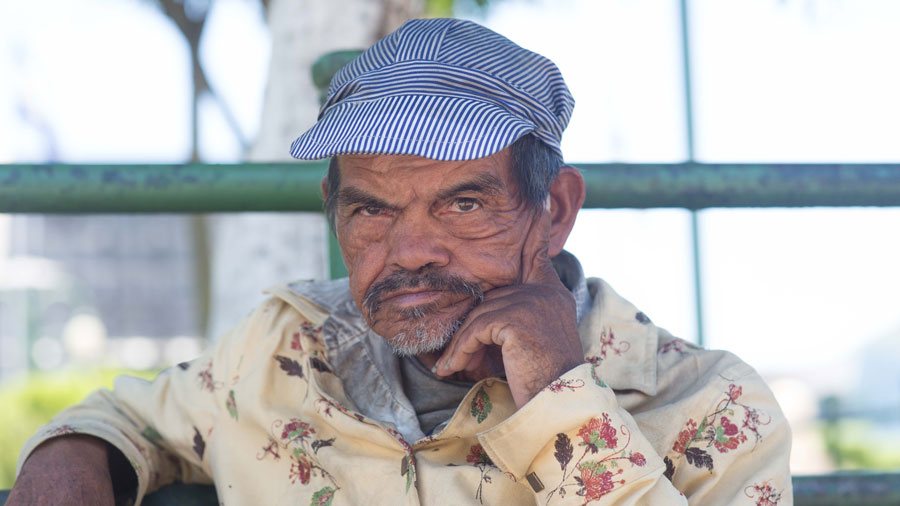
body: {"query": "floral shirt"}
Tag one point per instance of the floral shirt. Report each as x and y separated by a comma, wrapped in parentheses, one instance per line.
(296, 406)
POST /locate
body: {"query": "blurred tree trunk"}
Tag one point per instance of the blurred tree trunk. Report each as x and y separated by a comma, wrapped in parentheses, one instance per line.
(252, 251)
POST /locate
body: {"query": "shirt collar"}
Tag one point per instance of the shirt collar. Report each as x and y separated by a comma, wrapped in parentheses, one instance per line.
(620, 340)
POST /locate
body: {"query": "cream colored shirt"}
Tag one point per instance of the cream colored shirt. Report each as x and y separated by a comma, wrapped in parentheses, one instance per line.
(267, 417)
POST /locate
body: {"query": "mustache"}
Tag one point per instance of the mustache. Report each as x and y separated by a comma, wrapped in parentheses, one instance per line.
(422, 279)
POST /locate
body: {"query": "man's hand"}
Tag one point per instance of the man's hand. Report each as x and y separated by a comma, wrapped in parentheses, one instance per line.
(67, 470)
(532, 322)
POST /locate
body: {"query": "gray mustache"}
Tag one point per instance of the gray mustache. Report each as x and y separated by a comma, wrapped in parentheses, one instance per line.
(425, 280)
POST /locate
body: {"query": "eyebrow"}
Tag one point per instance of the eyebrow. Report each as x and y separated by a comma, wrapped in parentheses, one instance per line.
(350, 196)
(486, 184)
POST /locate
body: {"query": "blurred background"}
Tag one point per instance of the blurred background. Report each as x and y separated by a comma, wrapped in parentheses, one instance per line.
(806, 296)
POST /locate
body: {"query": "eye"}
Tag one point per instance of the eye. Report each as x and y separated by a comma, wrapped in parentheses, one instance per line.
(369, 210)
(465, 204)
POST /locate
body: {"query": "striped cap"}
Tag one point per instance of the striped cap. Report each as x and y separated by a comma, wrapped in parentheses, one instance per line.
(444, 89)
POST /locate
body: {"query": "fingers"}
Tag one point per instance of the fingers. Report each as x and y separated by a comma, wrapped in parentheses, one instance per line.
(467, 348)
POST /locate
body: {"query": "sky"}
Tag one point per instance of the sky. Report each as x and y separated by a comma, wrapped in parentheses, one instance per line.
(790, 291)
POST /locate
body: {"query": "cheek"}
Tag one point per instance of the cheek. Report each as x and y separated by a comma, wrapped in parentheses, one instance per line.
(364, 255)
(494, 259)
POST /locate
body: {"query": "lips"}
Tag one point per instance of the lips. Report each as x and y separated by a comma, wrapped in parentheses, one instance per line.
(413, 298)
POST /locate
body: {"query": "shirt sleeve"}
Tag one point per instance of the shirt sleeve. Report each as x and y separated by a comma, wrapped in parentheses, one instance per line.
(573, 444)
(161, 427)
(737, 450)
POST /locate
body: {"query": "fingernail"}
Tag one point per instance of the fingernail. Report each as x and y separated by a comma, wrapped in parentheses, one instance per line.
(434, 369)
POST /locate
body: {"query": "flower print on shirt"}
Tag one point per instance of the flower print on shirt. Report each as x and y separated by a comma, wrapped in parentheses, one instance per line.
(764, 493)
(479, 458)
(596, 477)
(608, 344)
(719, 430)
(565, 384)
(205, 379)
(299, 438)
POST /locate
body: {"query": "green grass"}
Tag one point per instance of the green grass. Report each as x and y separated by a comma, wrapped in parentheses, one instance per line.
(29, 402)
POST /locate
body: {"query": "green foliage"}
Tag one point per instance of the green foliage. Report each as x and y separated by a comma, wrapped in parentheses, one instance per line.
(29, 402)
(856, 444)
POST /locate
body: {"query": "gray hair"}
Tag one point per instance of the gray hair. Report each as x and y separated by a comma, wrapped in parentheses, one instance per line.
(535, 166)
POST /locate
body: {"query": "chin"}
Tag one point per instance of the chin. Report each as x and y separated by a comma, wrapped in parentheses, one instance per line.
(423, 335)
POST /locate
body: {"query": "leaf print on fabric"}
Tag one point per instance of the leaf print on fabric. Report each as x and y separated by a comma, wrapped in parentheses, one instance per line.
(295, 342)
(319, 364)
(719, 430)
(150, 434)
(321, 443)
(595, 363)
(564, 450)
(311, 331)
(764, 493)
(481, 405)
(231, 405)
(595, 478)
(199, 445)
(563, 384)
(408, 469)
(323, 497)
(670, 468)
(290, 366)
(699, 458)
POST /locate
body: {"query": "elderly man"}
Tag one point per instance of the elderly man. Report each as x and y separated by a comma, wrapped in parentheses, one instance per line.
(465, 361)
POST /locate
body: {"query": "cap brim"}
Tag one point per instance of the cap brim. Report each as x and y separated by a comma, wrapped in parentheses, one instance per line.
(439, 127)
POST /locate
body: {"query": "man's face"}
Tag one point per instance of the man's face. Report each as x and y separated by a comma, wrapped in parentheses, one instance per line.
(424, 239)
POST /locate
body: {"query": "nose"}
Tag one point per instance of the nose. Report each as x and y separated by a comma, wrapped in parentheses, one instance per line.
(416, 241)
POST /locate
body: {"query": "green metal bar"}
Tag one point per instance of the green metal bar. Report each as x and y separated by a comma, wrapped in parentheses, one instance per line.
(701, 186)
(847, 489)
(297, 187)
(188, 188)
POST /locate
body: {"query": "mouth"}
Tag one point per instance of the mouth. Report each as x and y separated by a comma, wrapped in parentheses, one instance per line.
(413, 298)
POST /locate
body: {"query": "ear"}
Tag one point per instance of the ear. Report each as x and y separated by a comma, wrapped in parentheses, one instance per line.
(566, 198)
(324, 187)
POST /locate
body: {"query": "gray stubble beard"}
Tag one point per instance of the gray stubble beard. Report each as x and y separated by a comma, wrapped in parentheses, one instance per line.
(422, 338)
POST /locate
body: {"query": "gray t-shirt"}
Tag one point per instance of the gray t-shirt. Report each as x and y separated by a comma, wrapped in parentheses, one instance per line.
(434, 400)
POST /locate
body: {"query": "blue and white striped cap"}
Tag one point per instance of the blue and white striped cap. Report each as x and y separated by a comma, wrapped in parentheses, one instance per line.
(445, 89)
